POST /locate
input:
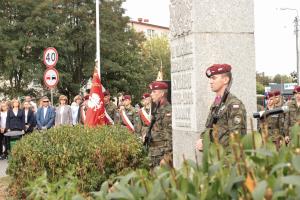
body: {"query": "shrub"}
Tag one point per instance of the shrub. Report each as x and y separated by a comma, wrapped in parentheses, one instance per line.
(95, 154)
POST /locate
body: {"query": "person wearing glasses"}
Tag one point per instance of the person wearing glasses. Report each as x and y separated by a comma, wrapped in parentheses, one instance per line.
(45, 115)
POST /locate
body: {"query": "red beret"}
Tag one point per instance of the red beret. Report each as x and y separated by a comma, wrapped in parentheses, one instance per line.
(217, 69)
(277, 93)
(270, 94)
(127, 97)
(145, 95)
(158, 85)
(296, 89)
(106, 93)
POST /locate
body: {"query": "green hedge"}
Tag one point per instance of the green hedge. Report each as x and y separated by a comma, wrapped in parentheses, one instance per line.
(93, 154)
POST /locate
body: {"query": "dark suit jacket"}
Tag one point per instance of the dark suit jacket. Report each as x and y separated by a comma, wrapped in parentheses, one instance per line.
(48, 121)
(31, 122)
(14, 122)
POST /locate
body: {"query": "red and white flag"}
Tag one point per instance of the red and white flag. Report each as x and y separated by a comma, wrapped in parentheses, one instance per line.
(95, 114)
(146, 118)
(126, 121)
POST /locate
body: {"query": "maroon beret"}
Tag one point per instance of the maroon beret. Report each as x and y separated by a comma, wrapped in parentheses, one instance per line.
(217, 69)
(145, 95)
(127, 97)
(270, 94)
(158, 85)
(296, 89)
(106, 93)
(277, 93)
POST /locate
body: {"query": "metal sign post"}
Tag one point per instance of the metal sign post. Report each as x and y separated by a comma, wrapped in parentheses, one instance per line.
(51, 91)
(51, 74)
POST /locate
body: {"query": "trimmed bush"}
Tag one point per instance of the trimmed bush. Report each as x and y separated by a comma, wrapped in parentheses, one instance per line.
(94, 154)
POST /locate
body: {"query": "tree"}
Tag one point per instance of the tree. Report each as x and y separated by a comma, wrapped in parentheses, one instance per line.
(282, 79)
(156, 53)
(260, 89)
(28, 27)
(121, 61)
(261, 78)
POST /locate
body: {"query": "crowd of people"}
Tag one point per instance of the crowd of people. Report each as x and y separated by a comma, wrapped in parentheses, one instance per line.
(28, 116)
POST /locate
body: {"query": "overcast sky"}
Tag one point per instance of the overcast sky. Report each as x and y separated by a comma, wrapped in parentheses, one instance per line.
(274, 30)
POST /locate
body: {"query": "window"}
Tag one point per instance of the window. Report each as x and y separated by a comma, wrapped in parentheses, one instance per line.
(150, 33)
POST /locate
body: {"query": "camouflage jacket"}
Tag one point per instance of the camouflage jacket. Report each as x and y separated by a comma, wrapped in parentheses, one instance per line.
(131, 114)
(275, 124)
(141, 128)
(292, 116)
(161, 133)
(232, 118)
(111, 110)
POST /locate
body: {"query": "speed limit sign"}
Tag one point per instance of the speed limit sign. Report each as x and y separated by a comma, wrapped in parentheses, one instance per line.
(50, 57)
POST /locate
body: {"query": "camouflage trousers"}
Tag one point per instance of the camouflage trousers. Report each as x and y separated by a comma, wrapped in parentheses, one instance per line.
(158, 154)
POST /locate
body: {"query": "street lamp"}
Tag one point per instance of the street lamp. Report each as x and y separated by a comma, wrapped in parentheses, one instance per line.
(296, 20)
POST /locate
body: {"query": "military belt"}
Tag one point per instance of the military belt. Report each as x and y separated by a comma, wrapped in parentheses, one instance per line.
(158, 143)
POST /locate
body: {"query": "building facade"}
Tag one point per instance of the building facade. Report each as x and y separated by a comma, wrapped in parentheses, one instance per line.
(150, 30)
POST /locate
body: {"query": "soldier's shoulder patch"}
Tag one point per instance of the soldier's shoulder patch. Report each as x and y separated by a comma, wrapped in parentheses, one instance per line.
(237, 120)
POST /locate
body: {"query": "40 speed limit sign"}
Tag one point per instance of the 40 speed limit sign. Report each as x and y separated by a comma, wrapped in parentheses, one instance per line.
(50, 57)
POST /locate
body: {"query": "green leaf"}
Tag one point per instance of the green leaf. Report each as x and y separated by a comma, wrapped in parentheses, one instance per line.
(206, 147)
(279, 166)
(292, 179)
(296, 163)
(280, 193)
(247, 141)
(295, 132)
(232, 181)
(215, 168)
(262, 152)
(121, 193)
(259, 191)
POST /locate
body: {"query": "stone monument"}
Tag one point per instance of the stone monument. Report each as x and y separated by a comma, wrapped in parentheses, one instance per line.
(204, 32)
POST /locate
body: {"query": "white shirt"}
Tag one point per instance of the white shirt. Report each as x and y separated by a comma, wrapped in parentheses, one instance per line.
(3, 119)
(33, 105)
(15, 112)
(45, 111)
(75, 109)
(26, 114)
(61, 110)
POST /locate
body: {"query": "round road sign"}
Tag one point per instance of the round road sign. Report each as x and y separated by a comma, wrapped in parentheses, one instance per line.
(50, 57)
(51, 77)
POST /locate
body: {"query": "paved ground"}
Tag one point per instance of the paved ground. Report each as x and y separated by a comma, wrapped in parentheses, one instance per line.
(3, 166)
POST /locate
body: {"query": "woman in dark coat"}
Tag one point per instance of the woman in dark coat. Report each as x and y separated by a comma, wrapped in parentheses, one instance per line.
(29, 117)
(15, 120)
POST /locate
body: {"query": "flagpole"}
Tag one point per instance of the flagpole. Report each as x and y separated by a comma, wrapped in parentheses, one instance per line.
(98, 36)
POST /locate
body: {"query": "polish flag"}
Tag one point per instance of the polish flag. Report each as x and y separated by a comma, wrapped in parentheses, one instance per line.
(95, 114)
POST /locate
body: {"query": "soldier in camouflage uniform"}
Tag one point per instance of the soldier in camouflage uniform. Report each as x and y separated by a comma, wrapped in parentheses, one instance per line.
(127, 114)
(110, 107)
(144, 116)
(160, 148)
(293, 116)
(231, 112)
(275, 123)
